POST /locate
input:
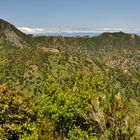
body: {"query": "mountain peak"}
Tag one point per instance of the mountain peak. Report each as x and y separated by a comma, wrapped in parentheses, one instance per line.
(117, 35)
(9, 34)
(4, 24)
(114, 33)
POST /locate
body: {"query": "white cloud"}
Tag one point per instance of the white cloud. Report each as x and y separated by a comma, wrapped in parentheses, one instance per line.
(75, 30)
(31, 30)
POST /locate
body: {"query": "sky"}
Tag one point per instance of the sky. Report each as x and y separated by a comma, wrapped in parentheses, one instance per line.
(33, 16)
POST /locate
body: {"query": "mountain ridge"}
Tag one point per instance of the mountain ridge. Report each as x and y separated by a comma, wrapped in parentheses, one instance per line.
(10, 35)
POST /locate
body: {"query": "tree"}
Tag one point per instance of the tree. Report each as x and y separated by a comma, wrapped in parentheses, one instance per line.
(17, 114)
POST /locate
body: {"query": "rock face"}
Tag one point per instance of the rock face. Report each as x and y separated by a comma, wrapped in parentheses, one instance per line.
(10, 35)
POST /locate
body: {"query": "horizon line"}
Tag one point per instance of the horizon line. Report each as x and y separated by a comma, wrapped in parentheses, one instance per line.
(29, 30)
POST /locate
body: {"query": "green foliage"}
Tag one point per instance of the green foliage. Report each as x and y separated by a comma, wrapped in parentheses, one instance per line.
(16, 114)
(69, 88)
(85, 113)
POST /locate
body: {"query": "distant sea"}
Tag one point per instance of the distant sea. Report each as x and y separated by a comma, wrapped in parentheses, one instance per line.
(68, 34)
(72, 34)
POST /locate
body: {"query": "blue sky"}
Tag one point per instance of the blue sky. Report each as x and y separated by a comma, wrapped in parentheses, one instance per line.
(93, 14)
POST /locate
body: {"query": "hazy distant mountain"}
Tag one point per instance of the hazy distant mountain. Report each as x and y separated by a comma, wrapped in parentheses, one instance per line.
(71, 34)
(68, 34)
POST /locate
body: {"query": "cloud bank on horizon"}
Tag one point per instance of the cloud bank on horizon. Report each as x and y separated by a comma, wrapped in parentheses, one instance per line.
(28, 30)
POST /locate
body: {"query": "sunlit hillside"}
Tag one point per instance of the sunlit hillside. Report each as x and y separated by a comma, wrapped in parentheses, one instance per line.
(69, 88)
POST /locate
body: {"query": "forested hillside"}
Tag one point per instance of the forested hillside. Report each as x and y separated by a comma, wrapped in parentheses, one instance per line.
(69, 88)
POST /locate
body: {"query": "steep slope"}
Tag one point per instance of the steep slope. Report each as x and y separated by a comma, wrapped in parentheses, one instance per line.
(10, 35)
(114, 55)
